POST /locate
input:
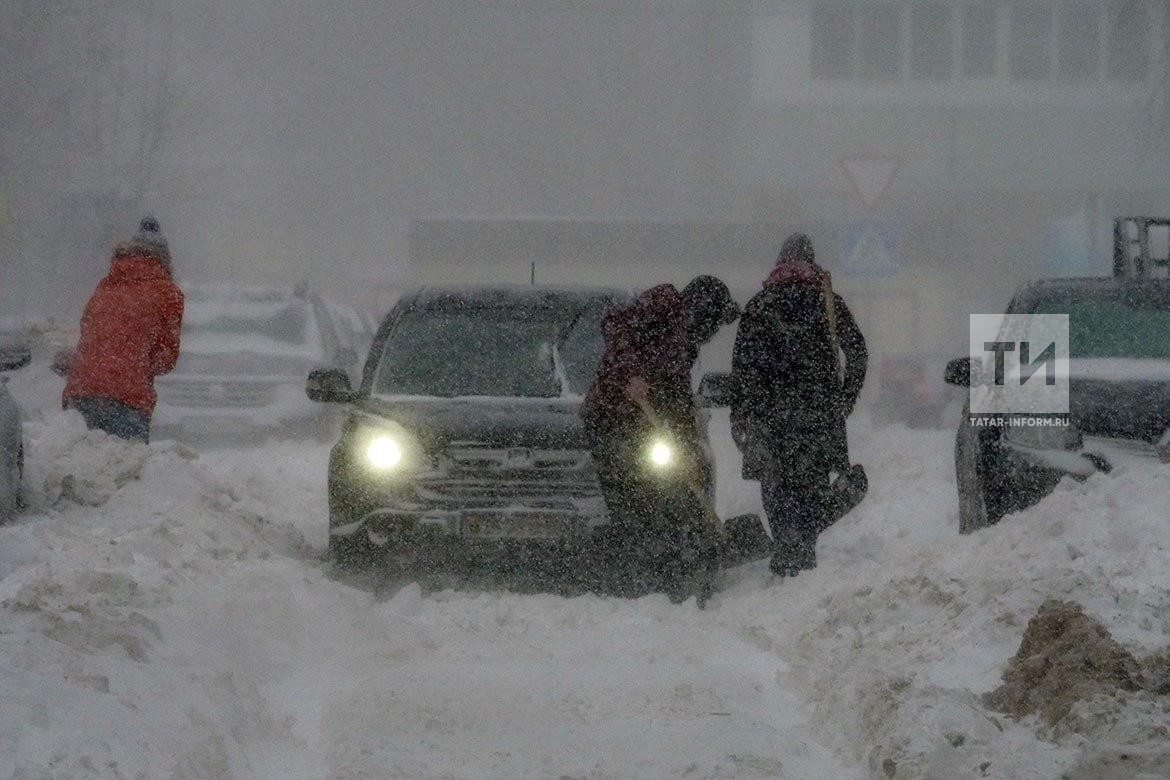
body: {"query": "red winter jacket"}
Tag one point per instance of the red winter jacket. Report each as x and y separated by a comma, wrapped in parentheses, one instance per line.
(129, 333)
(646, 338)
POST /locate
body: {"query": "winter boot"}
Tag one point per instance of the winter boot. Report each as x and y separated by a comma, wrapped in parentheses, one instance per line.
(783, 566)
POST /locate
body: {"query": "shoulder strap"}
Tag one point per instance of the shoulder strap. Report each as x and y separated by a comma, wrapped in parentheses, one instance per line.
(831, 315)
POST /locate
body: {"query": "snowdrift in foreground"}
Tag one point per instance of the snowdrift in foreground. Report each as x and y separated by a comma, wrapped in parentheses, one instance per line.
(908, 630)
(164, 615)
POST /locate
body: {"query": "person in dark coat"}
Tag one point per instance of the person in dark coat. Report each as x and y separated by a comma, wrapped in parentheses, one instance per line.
(651, 345)
(792, 399)
(129, 335)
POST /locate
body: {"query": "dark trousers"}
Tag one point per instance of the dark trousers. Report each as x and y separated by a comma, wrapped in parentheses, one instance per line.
(794, 497)
(658, 538)
(113, 417)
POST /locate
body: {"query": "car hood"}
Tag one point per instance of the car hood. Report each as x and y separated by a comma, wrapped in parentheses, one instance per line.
(207, 365)
(497, 422)
(1127, 399)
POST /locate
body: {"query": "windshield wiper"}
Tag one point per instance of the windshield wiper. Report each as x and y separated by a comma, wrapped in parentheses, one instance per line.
(564, 332)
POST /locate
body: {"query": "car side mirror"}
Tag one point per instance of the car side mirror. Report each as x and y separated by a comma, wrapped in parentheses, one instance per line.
(12, 358)
(959, 371)
(329, 386)
(717, 390)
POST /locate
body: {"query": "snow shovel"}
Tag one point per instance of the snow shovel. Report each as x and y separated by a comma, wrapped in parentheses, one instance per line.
(847, 491)
(705, 584)
(851, 485)
(744, 540)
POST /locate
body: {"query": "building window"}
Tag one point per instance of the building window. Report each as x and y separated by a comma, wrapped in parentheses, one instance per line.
(880, 41)
(832, 41)
(1031, 41)
(979, 40)
(1078, 43)
(932, 41)
(1070, 41)
(1129, 40)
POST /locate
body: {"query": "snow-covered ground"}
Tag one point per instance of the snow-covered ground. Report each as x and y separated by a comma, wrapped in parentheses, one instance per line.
(166, 614)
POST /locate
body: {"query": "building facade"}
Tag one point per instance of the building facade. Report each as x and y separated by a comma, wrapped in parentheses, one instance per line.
(939, 152)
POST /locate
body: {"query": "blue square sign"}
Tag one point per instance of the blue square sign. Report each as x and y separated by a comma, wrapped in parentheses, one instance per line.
(870, 249)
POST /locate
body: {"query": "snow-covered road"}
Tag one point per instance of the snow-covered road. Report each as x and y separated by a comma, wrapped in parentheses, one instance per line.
(168, 616)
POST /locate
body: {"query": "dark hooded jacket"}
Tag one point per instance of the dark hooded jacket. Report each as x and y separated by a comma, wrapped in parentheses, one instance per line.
(647, 338)
(791, 399)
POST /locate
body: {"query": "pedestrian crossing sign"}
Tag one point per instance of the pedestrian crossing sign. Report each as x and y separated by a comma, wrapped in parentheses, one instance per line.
(870, 249)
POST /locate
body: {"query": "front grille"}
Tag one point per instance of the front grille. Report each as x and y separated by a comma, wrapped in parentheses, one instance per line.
(211, 394)
(520, 478)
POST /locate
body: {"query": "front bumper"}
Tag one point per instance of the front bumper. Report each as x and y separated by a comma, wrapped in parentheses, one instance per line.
(1098, 454)
(474, 525)
(474, 510)
(1077, 464)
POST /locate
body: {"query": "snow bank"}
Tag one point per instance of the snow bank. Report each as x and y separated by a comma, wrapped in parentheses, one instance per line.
(905, 624)
(169, 620)
(100, 670)
(168, 616)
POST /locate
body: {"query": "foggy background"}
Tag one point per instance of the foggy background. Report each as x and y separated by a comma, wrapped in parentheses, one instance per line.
(939, 153)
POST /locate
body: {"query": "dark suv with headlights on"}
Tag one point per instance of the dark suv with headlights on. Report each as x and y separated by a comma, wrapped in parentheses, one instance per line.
(464, 435)
(1119, 397)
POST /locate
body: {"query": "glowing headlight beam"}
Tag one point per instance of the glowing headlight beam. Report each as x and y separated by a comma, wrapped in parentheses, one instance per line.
(661, 454)
(383, 453)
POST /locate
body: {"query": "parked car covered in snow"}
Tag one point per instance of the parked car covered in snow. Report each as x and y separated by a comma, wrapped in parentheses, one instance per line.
(243, 357)
(14, 354)
(1119, 398)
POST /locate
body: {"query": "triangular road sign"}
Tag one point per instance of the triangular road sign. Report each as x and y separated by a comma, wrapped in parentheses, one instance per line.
(870, 177)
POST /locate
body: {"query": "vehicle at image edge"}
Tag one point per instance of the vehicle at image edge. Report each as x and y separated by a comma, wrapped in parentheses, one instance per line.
(243, 358)
(14, 354)
(1119, 397)
(464, 435)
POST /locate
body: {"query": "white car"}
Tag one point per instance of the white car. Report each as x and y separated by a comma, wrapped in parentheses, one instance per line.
(243, 356)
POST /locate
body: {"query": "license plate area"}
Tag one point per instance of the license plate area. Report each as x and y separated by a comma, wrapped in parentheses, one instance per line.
(516, 527)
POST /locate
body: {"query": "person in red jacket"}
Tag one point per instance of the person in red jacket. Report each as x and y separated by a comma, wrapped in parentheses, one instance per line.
(642, 393)
(129, 335)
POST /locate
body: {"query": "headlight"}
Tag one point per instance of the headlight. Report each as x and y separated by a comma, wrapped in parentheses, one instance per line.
(1043, 435)
(660, 454)
(385, 446)
(383, 452)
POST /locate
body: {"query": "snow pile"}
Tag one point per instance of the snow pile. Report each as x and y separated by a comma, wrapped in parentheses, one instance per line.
(165, 616)
(83, 466)
(96, 597)
(903, 630)
(175, 624)
(1066, 657)
(1081, 681)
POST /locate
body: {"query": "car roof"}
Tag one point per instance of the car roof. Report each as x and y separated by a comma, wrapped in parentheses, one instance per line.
(241, 293)
(1088, 287)
(1092, 283)
(491, 296)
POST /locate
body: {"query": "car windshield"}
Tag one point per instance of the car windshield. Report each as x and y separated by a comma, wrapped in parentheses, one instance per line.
(261, 327)
(517, 352)
(1108, 326)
